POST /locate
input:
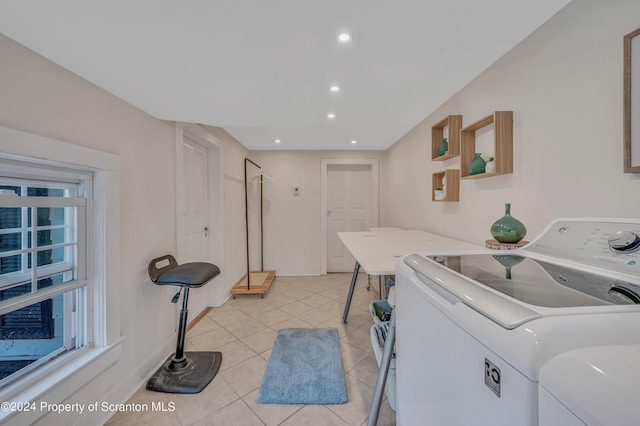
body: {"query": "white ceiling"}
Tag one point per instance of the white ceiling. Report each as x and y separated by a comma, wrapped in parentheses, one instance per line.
(262, 69)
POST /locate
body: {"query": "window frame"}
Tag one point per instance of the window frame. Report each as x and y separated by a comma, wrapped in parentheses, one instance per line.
(80, 189)
(76, 328)
(31, 274)
(64, 376)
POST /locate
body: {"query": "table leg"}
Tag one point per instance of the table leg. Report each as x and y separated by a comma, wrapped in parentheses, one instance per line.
(356, 270)
(384, 370)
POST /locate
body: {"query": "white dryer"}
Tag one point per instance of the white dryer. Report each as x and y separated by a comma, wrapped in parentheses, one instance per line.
(597, 385)
(475, 329)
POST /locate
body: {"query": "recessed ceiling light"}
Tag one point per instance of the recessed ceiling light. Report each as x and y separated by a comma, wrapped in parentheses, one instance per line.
(334, 88)
(277, 141)
(344, 37)
(354, 141)
(331, 115)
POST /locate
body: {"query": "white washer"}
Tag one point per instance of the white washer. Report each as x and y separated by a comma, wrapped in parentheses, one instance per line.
(474, 329)
(597, 385)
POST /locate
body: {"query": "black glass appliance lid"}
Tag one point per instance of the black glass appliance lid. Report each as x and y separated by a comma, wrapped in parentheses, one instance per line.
(540, 283)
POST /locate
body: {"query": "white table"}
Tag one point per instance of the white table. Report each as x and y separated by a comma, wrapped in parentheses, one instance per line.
(376, 252)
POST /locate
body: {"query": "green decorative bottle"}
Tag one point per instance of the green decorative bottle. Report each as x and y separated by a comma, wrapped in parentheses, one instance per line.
(508, 229)
(508, 261)
(443, 147)
(477, 165)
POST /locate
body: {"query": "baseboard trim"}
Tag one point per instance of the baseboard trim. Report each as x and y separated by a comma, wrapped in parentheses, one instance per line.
(122, 392)
(197, 319)
(295, 272)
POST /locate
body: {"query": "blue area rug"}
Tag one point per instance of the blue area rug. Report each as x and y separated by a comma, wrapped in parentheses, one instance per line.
(305, 367)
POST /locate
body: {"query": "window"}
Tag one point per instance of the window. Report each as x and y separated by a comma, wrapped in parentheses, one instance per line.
(43, 270)
(79, 251)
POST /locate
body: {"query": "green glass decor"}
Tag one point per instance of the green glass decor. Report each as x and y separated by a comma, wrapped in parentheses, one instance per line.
(443, 147)
(477, 165)
(508, 261)
(508, 229)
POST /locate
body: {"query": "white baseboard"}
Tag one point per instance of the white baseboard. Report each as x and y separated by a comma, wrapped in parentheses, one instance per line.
(123, 391)
(61, 384)
(287, 271)
(291, 274)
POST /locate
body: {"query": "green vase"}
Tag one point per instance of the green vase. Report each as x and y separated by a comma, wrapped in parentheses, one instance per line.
(508, 229)
(508, 261)
(477, 165)
(443, 147)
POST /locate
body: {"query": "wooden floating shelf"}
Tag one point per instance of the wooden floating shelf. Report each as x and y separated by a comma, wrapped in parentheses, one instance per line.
(481, 175)
(260, 283)
(454, 122)
(452, 191)
(502, 144)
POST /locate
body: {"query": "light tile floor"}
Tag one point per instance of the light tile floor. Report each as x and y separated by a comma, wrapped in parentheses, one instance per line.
(244, 330)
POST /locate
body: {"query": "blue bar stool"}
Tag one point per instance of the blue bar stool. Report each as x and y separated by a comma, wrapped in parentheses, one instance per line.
(183, 372)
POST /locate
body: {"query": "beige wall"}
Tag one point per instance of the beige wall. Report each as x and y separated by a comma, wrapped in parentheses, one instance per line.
(292, 224)
(564, 85)
(42, 98)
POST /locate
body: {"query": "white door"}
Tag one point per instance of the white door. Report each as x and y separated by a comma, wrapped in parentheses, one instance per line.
(194, 215)
(348, 209)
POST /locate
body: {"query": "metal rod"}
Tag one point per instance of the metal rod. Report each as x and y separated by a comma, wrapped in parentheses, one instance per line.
(246, 216)
(179, 356)
(246, 221)
(354, 278)
(383, 372)
(253, 162)
(261, 227)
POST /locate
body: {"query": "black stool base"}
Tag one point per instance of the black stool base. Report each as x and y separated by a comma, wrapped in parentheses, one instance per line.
(200, 369)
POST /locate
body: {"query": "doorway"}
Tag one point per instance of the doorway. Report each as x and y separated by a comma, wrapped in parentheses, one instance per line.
(198, 201)
(194, 206)
(349, 203)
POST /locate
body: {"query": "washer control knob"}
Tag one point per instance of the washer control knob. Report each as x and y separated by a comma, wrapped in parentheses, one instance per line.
(623, 295)
(624, 242)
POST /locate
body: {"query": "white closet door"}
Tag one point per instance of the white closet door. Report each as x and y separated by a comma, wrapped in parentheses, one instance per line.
(349, 207)
(194, 215)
